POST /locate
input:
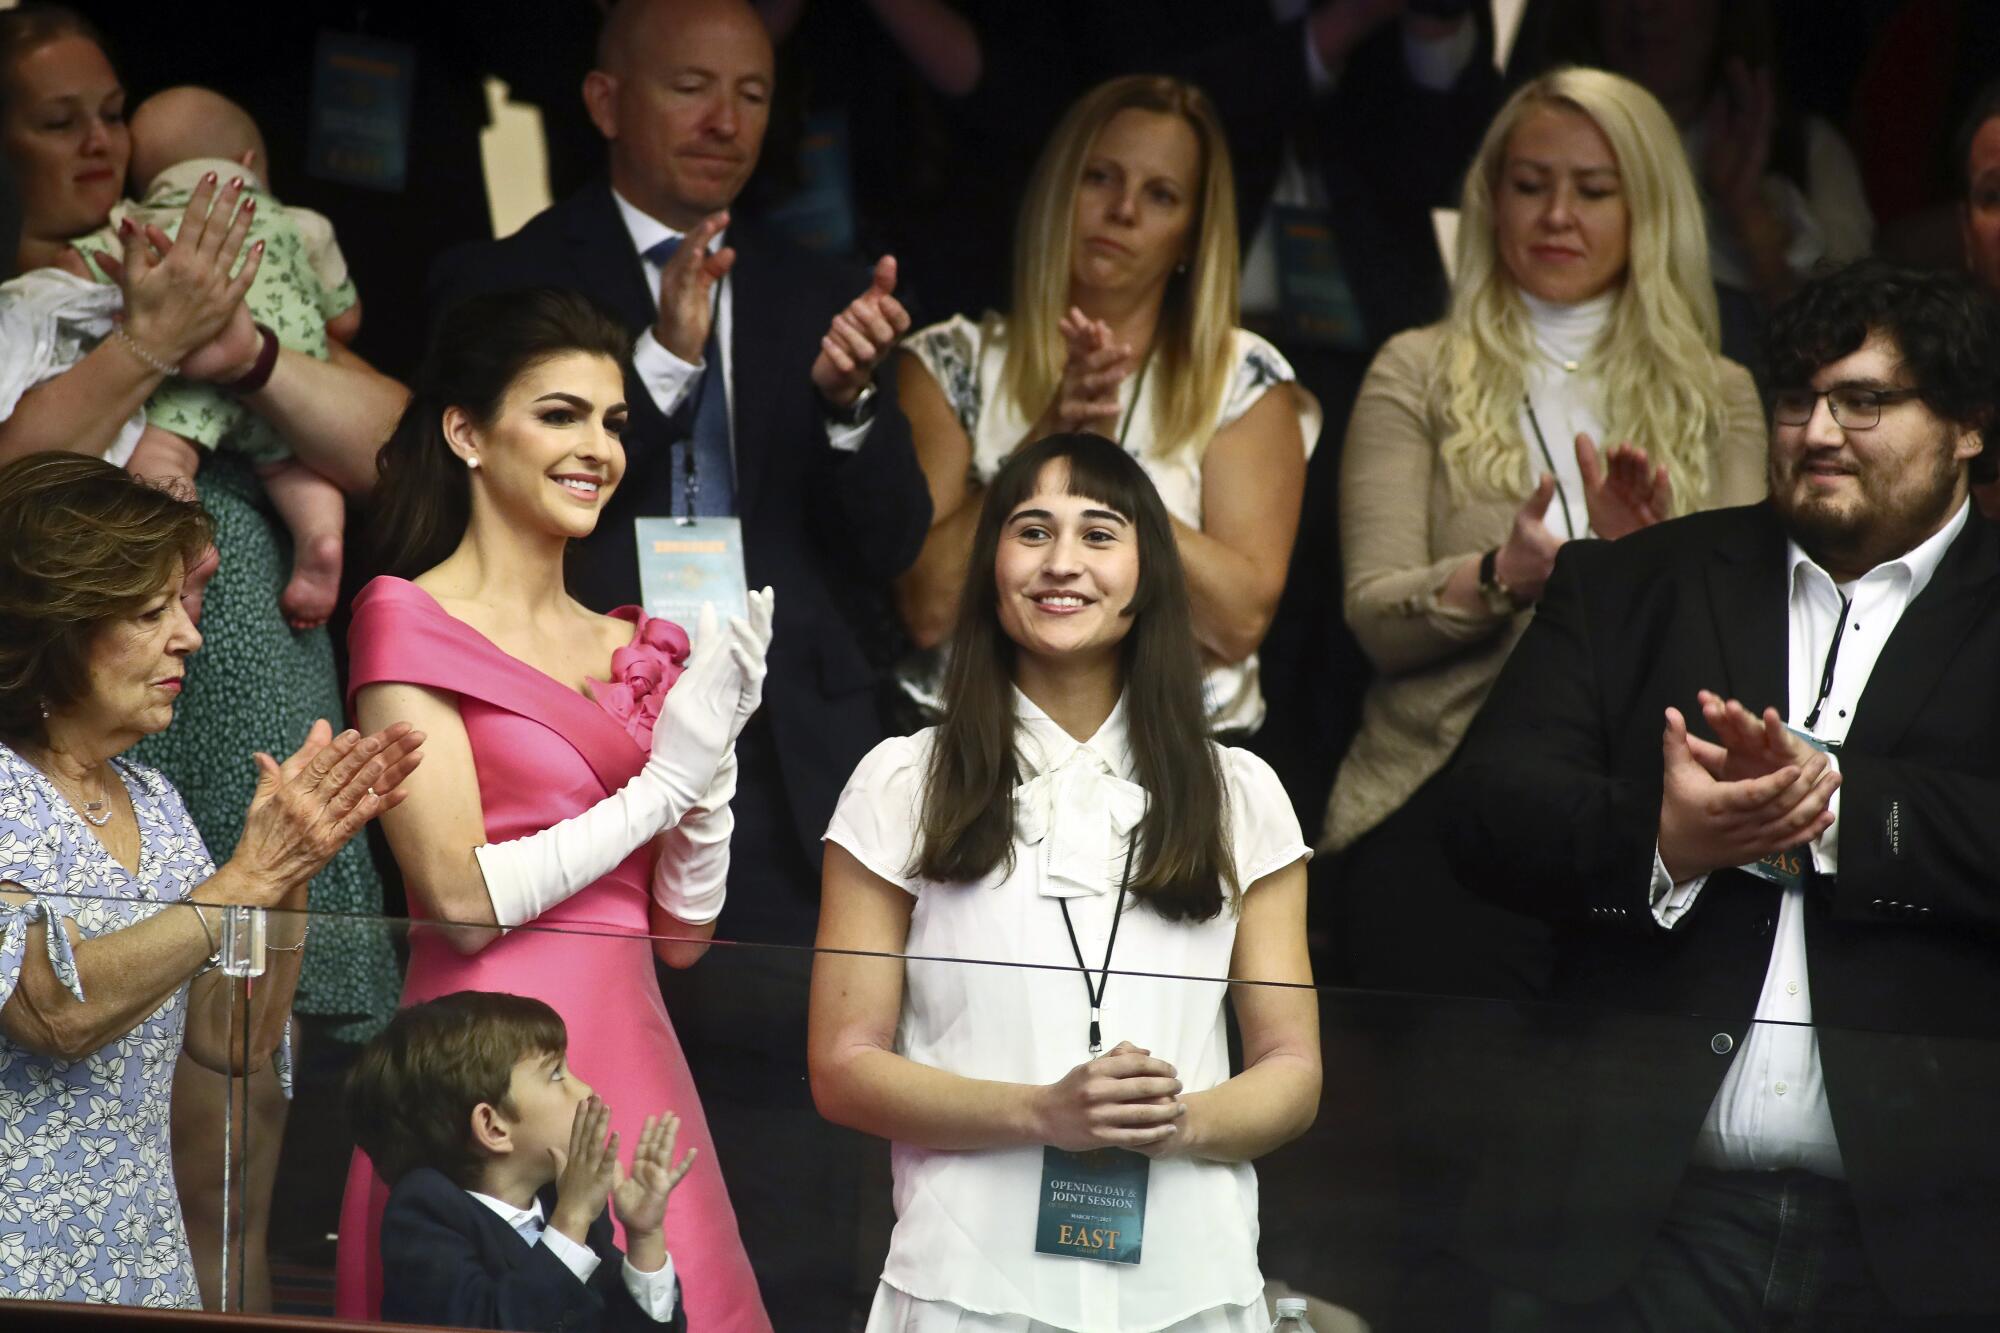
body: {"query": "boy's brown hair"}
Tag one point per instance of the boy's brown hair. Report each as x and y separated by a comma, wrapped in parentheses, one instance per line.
(411, 1091)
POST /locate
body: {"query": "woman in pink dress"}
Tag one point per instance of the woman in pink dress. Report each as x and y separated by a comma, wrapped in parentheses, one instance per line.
(573, 790)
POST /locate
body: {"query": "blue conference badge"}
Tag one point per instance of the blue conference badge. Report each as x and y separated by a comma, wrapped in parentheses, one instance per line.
(685, 562)
(1093, 1204)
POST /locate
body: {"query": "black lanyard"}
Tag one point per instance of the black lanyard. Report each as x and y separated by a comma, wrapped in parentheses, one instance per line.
(1138, 387)
(1096, 993)
(1826, 671)
(691, 482)
(1549, 458)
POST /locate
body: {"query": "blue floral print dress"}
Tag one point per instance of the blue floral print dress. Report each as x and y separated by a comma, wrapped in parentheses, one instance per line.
(88, 1210)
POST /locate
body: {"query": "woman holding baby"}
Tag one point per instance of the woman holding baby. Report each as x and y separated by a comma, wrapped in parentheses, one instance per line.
(71, 383)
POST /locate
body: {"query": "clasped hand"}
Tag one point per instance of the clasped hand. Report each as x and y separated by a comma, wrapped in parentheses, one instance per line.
(589, 1173)
(1123, 1099)
(1760, 790)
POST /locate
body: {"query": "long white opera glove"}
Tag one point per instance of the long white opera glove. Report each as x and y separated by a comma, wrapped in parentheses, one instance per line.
(691, 869)
(704, 711)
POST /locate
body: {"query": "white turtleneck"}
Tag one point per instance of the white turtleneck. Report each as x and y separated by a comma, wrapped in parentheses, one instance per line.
(1562, 385)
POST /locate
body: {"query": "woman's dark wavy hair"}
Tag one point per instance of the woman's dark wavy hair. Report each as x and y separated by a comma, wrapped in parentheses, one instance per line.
(1182, 866)
(82, 543)
(481, 346)
(1947, 330)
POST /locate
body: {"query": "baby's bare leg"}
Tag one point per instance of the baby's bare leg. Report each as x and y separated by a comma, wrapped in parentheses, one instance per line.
(316, 514)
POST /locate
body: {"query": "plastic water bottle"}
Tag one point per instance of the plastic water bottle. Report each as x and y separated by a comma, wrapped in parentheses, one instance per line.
(1291, 1316)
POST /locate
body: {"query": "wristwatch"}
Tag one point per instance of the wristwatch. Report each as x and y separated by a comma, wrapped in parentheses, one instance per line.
(856, 413)
(1499, 598)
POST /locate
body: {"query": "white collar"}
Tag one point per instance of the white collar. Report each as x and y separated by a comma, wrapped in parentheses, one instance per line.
(1076, 803)
(1916, 564)
(1043, 745)
(648, 231)
(517, 1218)
(1566, 334)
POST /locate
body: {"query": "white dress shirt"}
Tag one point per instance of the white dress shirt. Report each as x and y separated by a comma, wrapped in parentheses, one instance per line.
(667, 378)
(654, 1292)
(1771, 1111)
(965, 1221)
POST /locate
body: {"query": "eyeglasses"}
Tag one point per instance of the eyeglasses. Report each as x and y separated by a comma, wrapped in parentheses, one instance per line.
(1854, 409)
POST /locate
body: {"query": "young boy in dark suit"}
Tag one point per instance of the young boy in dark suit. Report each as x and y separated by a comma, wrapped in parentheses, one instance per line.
(499, 1170)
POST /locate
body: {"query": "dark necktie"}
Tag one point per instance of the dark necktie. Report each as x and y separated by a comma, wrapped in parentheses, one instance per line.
(701, 422)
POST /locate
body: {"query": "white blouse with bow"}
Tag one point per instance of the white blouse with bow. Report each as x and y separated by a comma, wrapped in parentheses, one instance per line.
(992, 991)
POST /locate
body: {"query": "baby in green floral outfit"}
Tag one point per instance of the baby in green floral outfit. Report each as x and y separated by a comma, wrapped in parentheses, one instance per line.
(302, 293)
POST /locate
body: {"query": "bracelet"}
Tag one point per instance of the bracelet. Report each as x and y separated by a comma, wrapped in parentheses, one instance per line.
(298, 948)
(259, 373)
(214, 949)
(133, 346)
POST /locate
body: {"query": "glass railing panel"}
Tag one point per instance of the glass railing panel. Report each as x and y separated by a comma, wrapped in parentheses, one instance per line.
(1468, 1157)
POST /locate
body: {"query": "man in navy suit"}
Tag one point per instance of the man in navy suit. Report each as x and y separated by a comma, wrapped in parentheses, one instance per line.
(753, 394)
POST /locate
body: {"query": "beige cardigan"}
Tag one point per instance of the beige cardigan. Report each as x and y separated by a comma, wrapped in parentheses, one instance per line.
(1402, 535)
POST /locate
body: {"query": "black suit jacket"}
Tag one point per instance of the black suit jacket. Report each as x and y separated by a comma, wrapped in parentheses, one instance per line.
(828, 530)
(449, 1259)
(1557, 795)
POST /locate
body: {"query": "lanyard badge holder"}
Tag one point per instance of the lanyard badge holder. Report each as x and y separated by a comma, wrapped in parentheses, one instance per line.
(1787, 868)
(687, 559)
(1093, 1204)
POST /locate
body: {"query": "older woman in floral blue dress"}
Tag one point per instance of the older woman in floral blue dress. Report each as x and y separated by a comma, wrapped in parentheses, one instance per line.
(110, 909)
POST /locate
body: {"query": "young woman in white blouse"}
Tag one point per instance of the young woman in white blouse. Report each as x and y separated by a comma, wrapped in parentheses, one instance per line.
(1070, 822)
(1123, 322)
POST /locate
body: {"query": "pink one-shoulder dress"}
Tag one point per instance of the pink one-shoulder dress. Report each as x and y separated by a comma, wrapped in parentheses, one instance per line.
(544, 752)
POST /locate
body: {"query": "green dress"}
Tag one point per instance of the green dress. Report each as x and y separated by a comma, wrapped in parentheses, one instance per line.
(256, 684)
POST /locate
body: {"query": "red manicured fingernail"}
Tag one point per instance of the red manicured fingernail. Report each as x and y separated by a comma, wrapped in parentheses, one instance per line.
(125, 227)
(209, 179)
(235, 182)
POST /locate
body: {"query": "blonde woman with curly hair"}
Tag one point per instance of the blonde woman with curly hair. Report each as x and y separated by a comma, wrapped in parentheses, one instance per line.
(1582, 315)
(1123, 322)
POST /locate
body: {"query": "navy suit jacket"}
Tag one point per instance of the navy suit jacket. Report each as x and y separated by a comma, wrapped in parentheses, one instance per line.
(1557, 795)
(449, 1259)
(828, 530)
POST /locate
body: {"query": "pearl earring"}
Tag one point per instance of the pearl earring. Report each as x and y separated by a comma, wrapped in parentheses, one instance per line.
(471, 462)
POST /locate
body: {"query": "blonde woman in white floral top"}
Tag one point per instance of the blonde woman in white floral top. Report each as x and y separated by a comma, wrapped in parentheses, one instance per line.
(1123, 323)
(109, 904)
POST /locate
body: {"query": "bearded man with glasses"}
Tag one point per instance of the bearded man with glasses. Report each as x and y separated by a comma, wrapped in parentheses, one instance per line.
(1749, 762)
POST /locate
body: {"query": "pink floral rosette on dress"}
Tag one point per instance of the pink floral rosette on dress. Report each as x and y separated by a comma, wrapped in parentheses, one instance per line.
(641, 674)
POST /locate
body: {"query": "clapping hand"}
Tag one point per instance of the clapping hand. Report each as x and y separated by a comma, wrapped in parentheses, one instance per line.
(687, 289)
(1094, 371)
(586, 1174)
(859, 337)
(639, 1200)
(1528, 556)
(306, 808)
(1741, 118)
(1623, 490)
(180, 294)
(1761, 790)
